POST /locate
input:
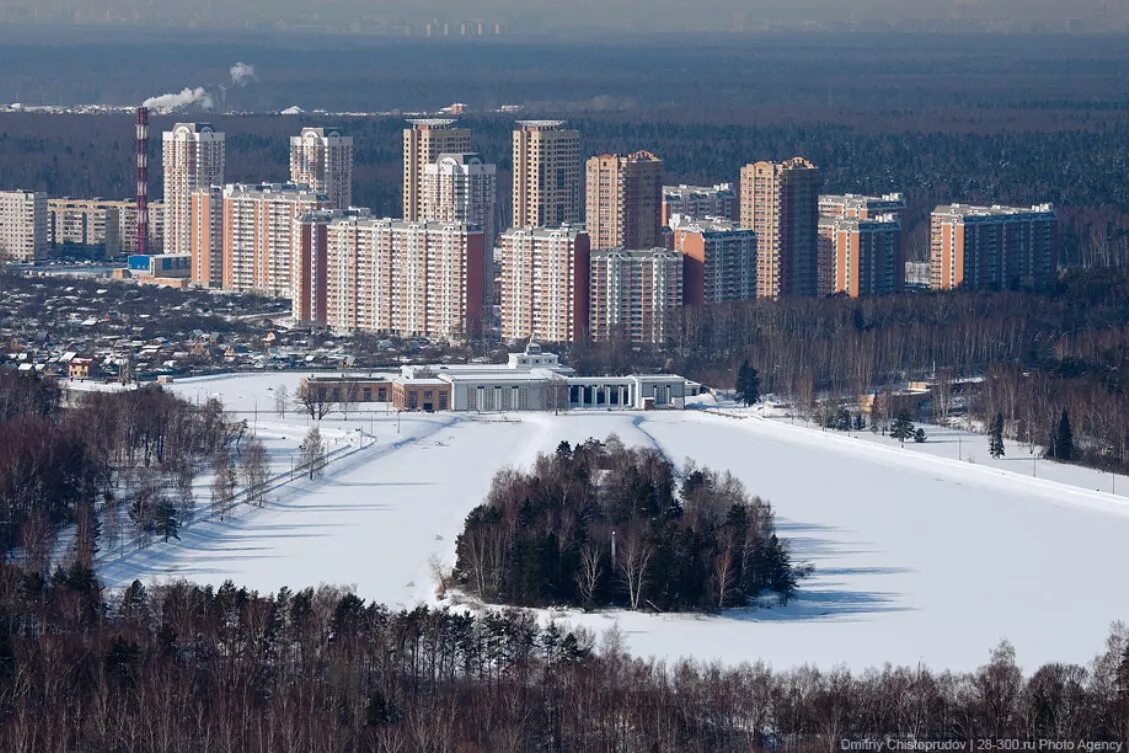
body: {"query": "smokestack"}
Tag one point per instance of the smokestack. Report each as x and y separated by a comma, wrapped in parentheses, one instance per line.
(142, 180)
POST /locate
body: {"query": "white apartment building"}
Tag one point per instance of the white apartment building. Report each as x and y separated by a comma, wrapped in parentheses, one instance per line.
(545, 283)
(636, 294)
(464, 188)
(413, 279)
(89, 224)
(23, 226)
(193, 156)
(258, 221)
(322, 158)
(423, 143)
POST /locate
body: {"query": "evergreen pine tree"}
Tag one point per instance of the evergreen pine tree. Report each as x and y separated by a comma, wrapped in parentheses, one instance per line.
(996, 437)
(919, 436)
(748, 383)
(167, 524)
(1062, 441)
(903, 428)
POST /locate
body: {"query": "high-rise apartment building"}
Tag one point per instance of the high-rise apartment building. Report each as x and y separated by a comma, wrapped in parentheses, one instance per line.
(206, 237)
(992, 247)
(544, 283)
(719, 260)
(546, 174)
(423, 143)
(859, 256)
(257, 224)
(624, 200)
(780, 202)
(90, 225)
(464, 188)
(322, 158)
(412, 279)
(23, 226)
(699, 202)
(193, 156)
(861, 207)
(635, 294)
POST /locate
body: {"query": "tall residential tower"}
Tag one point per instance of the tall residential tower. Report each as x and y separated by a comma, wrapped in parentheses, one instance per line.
(546, 174)
(624, 200)
(322, 158)
(423, 143)
(780, 202)
(193, 156)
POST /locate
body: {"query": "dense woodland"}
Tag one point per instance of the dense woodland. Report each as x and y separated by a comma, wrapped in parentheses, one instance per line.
(186, 669)
(118, 464)
(600, 525)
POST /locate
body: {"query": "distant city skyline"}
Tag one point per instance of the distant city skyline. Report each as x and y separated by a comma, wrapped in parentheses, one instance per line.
(490, 17)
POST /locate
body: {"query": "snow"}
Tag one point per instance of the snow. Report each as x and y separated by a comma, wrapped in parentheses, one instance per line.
(918, 557)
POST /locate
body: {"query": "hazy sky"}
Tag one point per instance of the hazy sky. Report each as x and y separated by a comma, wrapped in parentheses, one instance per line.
(549, 14)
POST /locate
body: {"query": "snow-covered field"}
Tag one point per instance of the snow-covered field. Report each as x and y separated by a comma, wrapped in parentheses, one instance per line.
(919, 557)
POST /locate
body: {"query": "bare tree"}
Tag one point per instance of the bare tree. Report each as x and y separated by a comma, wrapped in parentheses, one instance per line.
(281, 400)
(588, 576)
(223, 480)
(347, 396)
(635, 556)
(557, 394)
(314, 398)
(313, 453)
(255, 469)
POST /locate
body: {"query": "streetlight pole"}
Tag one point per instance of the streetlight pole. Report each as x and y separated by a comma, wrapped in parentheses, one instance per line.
(613, 548)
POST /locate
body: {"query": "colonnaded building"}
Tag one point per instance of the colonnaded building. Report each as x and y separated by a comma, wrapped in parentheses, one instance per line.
(533, 380)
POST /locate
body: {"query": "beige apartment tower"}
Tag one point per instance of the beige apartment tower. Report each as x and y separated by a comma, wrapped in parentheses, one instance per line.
(624, 200)
(193, 156)
(322, 158)
(546, 174)
(860, 257)
(544, 283)
(86, 223)
(780, 202)
(423, 143)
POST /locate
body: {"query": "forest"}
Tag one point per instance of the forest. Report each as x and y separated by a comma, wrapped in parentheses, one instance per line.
(600, 525)
(118, 466)
(181, 668)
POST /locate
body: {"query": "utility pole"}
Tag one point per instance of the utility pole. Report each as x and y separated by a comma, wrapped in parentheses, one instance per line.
(613, 549)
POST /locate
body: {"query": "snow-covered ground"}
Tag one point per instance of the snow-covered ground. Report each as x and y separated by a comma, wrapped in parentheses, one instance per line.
(919, 557)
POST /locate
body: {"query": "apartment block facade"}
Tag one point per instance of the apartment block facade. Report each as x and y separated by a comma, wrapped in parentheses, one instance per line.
(544, 283)
(193, 156)
(994, 247)
(636, 295)
(412, 279)
(206, 237)
(546, 174)
(90, 225)
(23, 226)
(700, 202)
(257, 225)
(322, 158)
(719, 261)
(424, 141)
(780, 202)
(464, 188)
(860, 257)
(624, 200)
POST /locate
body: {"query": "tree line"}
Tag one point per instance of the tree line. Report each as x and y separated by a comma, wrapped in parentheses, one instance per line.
(184, 668)
(600, 525)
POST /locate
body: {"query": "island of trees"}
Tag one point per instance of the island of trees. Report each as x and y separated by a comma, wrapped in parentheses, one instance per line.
(600, 525)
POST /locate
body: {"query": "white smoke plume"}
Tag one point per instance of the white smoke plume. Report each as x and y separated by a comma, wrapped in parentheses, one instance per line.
(185, 98)
(242, 74)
